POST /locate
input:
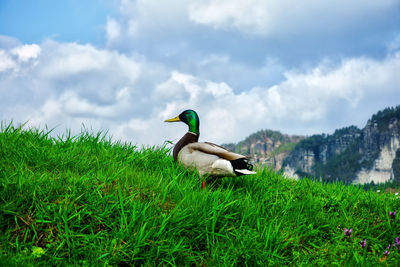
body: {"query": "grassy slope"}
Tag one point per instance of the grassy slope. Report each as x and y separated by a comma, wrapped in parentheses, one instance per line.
(88, 201)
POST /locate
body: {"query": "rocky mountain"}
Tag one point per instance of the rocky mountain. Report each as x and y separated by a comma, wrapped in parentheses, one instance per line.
(266, 147)
(330, 156)
(350, 154)
(353, 155)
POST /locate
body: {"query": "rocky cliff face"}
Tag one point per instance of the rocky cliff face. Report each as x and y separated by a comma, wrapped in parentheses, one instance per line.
(316, 151)
(351, 154)
(379, 146)
(396, 166)
(272, 153)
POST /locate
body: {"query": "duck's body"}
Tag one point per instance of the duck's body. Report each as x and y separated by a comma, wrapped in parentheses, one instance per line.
(213, 160)
(208, 158)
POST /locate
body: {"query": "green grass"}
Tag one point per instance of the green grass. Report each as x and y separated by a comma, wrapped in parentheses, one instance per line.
(85, 200)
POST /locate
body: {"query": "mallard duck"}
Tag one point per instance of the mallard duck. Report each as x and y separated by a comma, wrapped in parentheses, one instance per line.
(208, 158)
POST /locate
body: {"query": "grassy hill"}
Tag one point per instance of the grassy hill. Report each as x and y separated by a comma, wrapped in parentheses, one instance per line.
(84, 200)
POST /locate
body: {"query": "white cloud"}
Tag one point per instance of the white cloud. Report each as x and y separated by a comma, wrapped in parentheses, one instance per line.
(67, 84)
(259, 17)
(113, 29)
(10, 59)
(144, 17)
(279, 17)
(250, 16)
(6, 61)
(276, 18)
(67, 59)
(26, 52)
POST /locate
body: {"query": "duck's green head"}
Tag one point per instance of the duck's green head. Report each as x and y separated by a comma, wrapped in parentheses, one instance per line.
(190, 118)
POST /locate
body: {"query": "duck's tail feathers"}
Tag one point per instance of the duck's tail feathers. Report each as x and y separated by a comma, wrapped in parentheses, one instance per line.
(245, 172)
(242, 166)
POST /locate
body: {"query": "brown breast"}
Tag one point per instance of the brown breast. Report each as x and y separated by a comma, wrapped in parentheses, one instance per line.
(186, 139)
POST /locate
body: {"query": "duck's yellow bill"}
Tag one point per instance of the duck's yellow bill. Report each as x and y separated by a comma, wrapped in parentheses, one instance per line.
(173, 119)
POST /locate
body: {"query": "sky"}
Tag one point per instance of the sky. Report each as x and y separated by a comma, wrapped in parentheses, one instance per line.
(124, 66)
